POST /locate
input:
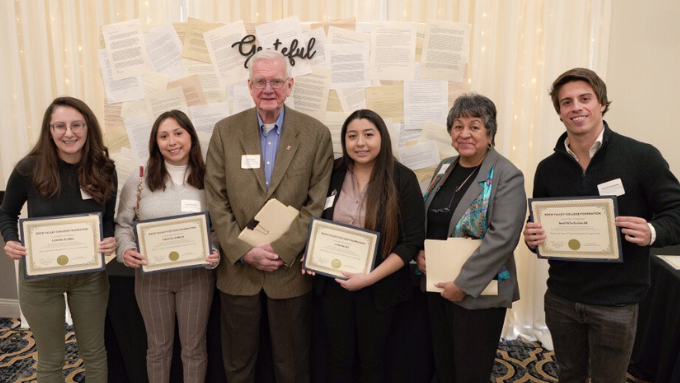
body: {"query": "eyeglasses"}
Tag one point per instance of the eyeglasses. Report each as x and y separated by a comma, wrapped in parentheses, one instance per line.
(77, 127)
(261, 84)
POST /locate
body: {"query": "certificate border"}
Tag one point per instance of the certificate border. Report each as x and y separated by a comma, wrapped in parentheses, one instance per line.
(590, 256)
(35, 221)
(312, 224)
(207, 240)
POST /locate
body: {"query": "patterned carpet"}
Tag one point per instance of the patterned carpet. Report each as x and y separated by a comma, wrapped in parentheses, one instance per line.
(18, 356)
(517, 360)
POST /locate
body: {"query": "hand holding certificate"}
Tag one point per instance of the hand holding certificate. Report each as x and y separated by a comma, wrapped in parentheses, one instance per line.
(334, 247)
(578, 229)
(172, 243)
(62, 245)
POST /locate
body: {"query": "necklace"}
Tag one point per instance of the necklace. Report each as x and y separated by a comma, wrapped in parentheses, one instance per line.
(447, 209)
(466, 180)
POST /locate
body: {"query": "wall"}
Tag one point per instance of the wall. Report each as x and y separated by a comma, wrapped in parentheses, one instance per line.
(642, 79)
(9, 304)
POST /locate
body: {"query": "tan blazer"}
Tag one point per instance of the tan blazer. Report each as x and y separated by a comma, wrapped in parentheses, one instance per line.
(234, 195)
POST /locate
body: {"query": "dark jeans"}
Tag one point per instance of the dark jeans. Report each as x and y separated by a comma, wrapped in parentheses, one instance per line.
(590, 340)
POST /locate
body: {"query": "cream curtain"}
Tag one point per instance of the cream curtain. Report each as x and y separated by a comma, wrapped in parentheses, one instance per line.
(49, 48)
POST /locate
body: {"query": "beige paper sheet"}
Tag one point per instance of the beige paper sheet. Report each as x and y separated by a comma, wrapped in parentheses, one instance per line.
(275, 219)
(445, 259)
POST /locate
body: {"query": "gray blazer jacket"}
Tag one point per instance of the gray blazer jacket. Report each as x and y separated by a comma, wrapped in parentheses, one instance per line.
(234, 195)
(506, 215)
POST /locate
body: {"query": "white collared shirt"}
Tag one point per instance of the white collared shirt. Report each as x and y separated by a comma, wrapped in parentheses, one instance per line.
(593, 149)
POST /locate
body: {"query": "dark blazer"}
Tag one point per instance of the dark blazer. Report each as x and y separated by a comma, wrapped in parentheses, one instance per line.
(506, 215)
(234, 195)
(395, 287)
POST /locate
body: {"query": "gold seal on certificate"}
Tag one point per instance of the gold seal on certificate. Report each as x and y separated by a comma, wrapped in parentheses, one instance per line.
(62, 245)
(578, 229)
(334, 247)
(172, 243)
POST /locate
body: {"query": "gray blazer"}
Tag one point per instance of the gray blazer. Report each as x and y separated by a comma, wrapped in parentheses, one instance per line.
(506, 215)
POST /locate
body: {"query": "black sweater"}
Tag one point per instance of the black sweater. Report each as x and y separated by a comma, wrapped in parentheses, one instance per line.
(651, 192)
(20, 190)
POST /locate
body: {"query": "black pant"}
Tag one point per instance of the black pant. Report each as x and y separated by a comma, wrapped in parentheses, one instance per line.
(355, 327)
(464, 341)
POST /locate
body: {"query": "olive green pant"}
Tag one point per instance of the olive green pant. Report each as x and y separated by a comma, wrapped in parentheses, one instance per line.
(42, 303)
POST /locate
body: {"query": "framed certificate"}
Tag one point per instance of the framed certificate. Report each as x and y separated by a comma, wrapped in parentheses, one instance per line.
(334, 247)
(578, 229)
(176, 242)
(61, 245)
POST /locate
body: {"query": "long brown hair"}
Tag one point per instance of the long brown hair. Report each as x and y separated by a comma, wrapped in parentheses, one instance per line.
(156, 172)
(96, 171)
(381, 195)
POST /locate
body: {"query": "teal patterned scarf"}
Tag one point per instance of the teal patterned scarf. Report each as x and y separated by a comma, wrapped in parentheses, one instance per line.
(474, 223)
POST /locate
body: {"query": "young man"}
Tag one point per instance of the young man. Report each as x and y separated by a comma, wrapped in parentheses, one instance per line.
(591, 308)
(266, 152)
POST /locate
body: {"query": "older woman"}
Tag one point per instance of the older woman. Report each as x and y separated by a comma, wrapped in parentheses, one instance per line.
(477, 194)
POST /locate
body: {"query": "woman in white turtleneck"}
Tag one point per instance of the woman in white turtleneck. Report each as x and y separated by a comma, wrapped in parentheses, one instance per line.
(172, 184)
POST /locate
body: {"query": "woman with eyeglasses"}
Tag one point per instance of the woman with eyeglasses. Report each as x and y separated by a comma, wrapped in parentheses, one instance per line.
(68, 171)
(478, 194)
(369, 189)
(171, 184)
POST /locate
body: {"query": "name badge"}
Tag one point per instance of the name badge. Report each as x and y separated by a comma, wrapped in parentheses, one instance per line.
(250, 161)
(85, 194)
(613, 187)
(443, 169)
(329, 201)
(191, 206)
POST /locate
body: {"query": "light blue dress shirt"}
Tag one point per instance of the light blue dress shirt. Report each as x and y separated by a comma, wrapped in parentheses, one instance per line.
(270, 145)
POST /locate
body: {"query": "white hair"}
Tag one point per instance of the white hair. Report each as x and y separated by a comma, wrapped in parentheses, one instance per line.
(269, 55)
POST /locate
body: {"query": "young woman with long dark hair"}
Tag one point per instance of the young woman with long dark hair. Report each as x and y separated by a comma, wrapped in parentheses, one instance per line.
(68, 171)
(370, 189)
(172, 184)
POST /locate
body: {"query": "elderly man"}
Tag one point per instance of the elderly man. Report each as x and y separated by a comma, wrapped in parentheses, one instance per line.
(591, 308)
(267, 152)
